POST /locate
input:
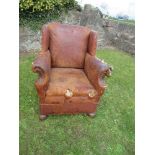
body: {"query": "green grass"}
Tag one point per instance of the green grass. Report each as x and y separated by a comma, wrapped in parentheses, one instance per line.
(129, 22)
(111, 132)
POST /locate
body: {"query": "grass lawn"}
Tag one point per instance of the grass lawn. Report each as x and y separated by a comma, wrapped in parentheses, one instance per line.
(111, 132)
(124, 21)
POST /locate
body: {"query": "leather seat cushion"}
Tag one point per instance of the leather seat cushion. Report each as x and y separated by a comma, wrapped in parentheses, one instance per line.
(62, 79)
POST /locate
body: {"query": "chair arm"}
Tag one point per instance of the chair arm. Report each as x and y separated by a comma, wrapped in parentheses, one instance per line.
(96, 70)
(42, 66)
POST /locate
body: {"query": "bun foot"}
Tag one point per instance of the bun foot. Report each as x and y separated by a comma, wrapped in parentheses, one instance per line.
(93, 114)
(42, 117)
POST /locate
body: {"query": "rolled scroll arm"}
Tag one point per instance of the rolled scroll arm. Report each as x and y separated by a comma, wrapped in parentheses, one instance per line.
(42, 66)
(96, 70)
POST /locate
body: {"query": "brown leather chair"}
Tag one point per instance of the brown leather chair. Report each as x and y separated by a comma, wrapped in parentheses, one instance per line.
(70, 76)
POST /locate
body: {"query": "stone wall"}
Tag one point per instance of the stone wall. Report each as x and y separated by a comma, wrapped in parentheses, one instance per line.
(29, 40)
(110, 33)
(121, 36)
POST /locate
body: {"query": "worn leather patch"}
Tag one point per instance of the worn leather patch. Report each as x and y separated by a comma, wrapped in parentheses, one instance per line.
(75, 80)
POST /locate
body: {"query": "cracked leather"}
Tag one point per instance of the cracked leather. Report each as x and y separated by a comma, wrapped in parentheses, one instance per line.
(96, 71)
(42, 66)
(67, 62)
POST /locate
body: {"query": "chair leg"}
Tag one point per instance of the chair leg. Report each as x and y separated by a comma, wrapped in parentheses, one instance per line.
(93, 114)
(42, 117)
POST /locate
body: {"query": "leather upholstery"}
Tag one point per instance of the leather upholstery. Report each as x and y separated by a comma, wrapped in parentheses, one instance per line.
(45, 39)
(73, 79)
(96, 71)
(70, 76)
(42, 66)
(68, 45)
(92, 44)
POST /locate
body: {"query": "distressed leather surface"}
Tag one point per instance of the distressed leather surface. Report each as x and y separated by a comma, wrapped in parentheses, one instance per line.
(45, 38)
(96, 71)
(92, 44)
(68, 45)
(75, 107)
(42, 62)
(42, 66)
(67, 62)
(68, 108)
(73, 79)
(73, 100)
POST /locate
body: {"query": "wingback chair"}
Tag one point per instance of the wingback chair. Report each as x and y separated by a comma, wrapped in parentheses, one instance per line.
(70, 76)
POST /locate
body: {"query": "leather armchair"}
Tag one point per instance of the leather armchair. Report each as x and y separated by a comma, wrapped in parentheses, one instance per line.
(70, 76)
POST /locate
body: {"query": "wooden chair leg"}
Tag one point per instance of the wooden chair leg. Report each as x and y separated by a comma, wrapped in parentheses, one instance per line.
(93, 114)
(43, 117)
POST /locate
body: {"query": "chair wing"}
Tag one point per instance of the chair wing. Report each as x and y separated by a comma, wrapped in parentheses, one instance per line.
(70, 76)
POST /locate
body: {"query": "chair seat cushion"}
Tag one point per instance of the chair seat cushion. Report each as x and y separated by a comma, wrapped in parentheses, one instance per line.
(63, 79)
